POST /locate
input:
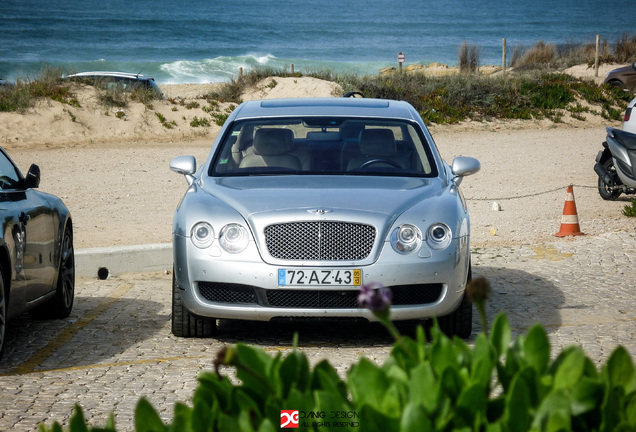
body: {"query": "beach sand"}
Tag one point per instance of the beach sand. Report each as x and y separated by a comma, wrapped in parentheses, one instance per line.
(113, 172)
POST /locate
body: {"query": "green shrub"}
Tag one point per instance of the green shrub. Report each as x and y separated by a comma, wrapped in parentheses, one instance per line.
(196, 122)
(164, 122)
(48, 84)
(630, 210)
(219, 118)
(440, 384)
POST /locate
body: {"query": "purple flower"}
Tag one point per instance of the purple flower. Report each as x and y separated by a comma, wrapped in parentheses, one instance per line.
(375, 297)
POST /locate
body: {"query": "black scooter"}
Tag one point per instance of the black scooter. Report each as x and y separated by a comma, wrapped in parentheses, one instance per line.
(616, 164)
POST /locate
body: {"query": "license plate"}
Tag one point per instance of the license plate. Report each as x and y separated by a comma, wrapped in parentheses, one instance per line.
(322, 277)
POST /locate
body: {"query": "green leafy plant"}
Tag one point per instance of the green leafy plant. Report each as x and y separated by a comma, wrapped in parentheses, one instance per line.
(164, 122)
(434, 384)
(219, 118)
(196, 122)
(630, 210)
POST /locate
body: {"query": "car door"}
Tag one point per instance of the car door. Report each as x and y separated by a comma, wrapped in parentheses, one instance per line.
(32, 231)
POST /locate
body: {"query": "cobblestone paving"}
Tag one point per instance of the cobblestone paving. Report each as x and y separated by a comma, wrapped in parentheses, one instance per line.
(117, 346)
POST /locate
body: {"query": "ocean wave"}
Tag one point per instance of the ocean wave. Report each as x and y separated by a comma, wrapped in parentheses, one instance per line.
(224, 68)
(212, 70)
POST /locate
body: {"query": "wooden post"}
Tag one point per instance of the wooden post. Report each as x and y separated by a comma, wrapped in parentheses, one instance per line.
(399, 62)
(240, 73)
(503, 57)
(598, 46)
(292, 69)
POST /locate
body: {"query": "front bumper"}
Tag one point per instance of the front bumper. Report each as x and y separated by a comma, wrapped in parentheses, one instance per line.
(216, 284)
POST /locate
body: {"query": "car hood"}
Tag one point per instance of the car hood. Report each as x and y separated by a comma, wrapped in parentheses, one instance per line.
(330, 197)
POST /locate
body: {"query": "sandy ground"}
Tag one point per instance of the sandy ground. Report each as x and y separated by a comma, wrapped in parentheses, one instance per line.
(113, 172)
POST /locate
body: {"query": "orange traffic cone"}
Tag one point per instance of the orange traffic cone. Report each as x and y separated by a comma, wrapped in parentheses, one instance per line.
(569, 220)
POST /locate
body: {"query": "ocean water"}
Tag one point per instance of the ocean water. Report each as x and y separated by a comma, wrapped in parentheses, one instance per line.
(196, 41)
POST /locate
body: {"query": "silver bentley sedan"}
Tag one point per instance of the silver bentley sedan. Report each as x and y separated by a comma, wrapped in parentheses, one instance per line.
(303, 201)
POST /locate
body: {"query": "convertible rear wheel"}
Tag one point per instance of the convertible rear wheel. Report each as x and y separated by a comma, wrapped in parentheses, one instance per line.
(61, 304)
(185, 324)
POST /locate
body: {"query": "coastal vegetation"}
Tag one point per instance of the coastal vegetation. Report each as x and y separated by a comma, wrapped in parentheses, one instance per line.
(534, 87)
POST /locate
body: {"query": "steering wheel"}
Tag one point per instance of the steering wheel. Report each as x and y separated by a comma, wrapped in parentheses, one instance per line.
(380, 160)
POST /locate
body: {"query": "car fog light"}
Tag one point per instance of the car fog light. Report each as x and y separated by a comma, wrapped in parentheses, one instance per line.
(406, 238)
(439, 236)
(234, 238)
(202, 235)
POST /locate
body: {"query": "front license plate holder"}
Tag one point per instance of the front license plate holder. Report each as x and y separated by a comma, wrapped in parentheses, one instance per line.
(319, 277)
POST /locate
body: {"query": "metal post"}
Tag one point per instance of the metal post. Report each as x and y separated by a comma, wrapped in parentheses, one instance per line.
(503, 59)
(598, 45)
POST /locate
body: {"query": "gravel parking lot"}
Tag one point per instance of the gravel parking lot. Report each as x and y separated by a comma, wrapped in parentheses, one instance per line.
(117, 346)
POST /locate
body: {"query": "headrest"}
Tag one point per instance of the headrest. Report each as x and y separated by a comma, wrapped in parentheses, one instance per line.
(244, 139)
(351, 130)
(377, 142)
(273, 142)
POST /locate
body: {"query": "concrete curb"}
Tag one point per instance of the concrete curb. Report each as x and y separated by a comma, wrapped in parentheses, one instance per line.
(113, 261)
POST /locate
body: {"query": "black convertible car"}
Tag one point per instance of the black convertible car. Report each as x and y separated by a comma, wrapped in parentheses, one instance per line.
(37, 262)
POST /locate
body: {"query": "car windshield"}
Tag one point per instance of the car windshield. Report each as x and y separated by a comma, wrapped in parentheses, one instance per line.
(324, 146)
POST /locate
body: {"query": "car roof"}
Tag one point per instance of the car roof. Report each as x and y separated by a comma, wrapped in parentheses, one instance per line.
(356, 107)
(109, 74)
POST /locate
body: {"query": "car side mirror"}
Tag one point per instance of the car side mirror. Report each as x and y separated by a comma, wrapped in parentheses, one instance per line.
(32, 179)
(463, 166)
(186, 165)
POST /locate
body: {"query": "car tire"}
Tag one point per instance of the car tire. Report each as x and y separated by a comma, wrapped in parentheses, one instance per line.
(3, 313)
(460, 322)
(185, 324)
(617, 84)
(61, 304)
(603, 188)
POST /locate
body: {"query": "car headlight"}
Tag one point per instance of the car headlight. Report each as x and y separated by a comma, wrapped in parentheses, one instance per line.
(406, 238)
(202, 235)
(439, 236)
(234, 238)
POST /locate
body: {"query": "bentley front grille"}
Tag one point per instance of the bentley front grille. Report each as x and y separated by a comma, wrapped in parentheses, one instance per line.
(320, 241)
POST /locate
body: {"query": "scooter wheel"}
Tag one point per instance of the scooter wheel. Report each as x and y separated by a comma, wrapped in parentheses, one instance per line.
(603, 188)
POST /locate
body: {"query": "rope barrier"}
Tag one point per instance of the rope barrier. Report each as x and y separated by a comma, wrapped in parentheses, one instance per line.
(530, 195)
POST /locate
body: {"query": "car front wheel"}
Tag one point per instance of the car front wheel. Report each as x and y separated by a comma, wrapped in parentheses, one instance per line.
(61, 304)
(185, 324)
(3, 313)
(460, 322)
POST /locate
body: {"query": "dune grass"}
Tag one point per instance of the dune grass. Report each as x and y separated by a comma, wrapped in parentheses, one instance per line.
(26, 91)
(535, 89)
